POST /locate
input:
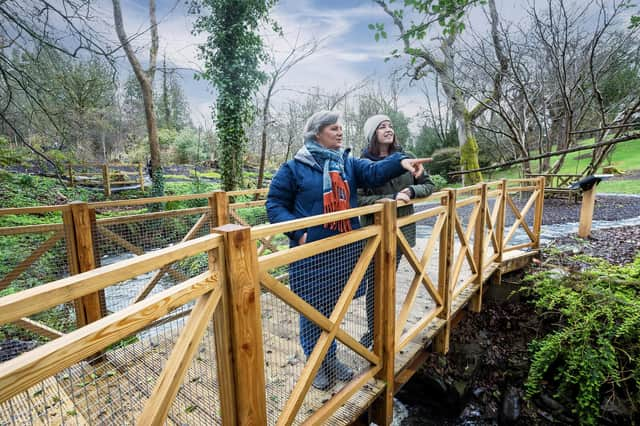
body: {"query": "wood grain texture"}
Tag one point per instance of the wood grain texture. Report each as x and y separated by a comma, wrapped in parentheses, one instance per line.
(262, 231)
(168, 384)
(243, 289)
(37, 299)
(24, 371)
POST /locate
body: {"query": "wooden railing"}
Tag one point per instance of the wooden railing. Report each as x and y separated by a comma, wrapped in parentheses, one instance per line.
(254, 373)
(106, 175)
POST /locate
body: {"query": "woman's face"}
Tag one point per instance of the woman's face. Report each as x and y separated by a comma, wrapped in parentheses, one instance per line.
(330, 136)
(384, 133)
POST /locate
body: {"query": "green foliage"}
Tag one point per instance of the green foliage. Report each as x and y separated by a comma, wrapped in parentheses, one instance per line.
(428, 141)
(449, 14)
(21, 190)
(439, 181)
(444, 161)
(157, 187)
(232, 53)
(594, 354)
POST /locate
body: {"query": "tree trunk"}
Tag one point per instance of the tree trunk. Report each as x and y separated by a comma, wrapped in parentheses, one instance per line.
(265, 124)
(468, 149)
(145, 79)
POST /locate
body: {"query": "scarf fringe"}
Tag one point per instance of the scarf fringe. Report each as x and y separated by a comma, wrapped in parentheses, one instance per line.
(337, 199)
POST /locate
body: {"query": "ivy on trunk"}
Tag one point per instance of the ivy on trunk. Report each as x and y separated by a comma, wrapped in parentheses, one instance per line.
(232, 53)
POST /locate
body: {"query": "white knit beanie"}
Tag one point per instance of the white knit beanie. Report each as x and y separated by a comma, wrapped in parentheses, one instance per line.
(372, 124)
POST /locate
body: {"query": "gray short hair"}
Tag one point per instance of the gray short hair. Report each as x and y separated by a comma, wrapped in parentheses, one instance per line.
(318, 121)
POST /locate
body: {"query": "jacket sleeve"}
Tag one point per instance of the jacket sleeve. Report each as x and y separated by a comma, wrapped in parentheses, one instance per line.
(281, 199)
(370, 174)
(423, 186)
(366, 197)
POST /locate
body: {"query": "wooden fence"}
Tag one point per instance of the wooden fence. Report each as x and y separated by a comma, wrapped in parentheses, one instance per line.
(217, 339)
(106, 175)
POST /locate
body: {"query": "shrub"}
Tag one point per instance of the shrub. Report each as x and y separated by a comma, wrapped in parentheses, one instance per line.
(594, 353)
(439, 182)
(444, 161)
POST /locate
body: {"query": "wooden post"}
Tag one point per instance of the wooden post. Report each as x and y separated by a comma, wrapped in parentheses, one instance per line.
(106, 180)
(219, 205)
(71, 181)
(140, 176)
(537, 218)
(586, 212)
(384, 337)
(244, 324)
(445, 261)
(478, 249)
(500, 220)
(91, 307)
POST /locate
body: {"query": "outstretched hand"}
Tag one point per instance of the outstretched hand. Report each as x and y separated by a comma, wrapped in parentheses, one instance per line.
(414, 165)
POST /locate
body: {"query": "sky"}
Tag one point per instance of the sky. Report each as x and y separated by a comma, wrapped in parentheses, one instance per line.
(347, 55)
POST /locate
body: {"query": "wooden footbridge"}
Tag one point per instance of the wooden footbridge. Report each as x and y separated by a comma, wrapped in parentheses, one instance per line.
(190, 320)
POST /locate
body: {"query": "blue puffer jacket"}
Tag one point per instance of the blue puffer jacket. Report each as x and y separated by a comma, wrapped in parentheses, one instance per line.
(296, 190)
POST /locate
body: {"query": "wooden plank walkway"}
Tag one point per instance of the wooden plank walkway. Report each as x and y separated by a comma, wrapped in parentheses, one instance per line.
(138, 365)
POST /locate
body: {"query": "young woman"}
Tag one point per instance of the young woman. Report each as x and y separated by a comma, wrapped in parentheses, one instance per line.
(382, 143)
(323, 178)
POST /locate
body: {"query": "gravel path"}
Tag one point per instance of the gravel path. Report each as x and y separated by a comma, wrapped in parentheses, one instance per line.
(608, 207)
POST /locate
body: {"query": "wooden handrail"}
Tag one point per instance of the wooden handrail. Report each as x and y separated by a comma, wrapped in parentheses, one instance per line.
(33, 210)
(24, 371)
(262, 231)
(37, 299)
(230, 292)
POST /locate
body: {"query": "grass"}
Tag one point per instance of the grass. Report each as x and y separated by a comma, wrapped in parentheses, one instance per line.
(630, 186)
(626, 157)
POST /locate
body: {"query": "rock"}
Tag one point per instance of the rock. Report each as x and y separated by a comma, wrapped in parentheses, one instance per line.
(510, 409)
(551, 404)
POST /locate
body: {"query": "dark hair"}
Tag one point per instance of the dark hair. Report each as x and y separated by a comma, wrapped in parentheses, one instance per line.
(374, 145)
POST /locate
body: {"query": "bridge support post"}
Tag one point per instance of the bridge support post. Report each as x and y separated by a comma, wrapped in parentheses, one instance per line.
(445, 261)
(500, 219)
(238, 331)
(106, 180)
(79, 224)
(478, 249)
(219, 208)
(537, 218)
(385, 310)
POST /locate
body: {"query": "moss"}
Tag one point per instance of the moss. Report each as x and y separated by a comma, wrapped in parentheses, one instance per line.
(469, 159)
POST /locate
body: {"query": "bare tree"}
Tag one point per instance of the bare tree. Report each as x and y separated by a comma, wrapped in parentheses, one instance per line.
(27, 28)
(425, 60)
(278, 70)
(145, 79)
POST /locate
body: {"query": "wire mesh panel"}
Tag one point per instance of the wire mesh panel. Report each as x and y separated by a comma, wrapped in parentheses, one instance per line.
(304, 298)
(198, 399)
(418, 296)
(107, 388)
(248, 207)
(492, 223)
(32, 255)
(107, 373)
(467, 212)
(124, 231)
(522, 200)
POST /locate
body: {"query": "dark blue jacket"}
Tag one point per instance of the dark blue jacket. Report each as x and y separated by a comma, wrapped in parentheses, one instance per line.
(296, 192)
(296, 189)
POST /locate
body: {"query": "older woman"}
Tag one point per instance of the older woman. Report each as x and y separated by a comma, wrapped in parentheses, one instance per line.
(382, 143)
(323, 178)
